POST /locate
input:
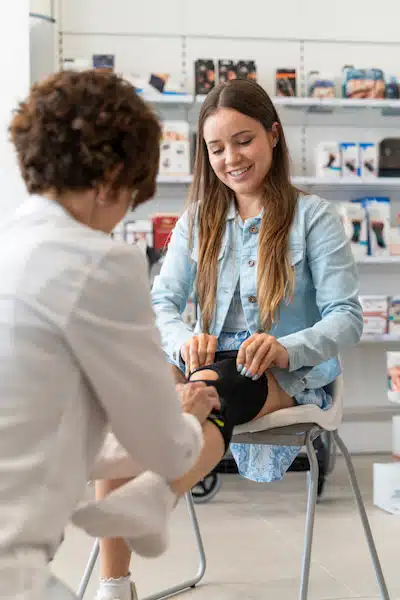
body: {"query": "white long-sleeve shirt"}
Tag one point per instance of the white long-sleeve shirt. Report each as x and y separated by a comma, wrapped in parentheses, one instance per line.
(79, 355)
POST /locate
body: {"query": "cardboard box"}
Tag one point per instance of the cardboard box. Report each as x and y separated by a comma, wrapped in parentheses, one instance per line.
(175, 149)
(394, 315)
(328, 160)
(378, 210)
(387, 487)
(368, 160)
(163, 225)
(375, 314)
(350, 159)
(354, 219)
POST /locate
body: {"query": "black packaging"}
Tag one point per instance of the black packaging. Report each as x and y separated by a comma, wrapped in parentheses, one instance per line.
(285, 82)
(246, 69)
(226, 70)
(204, 76)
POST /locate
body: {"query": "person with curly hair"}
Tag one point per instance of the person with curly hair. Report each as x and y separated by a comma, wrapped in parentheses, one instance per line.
(78, 342)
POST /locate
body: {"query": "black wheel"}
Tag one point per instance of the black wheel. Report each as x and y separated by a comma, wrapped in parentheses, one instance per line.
(207, 488)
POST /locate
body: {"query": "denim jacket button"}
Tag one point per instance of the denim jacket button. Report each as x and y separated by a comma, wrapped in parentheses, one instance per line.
(253, 229)
(251, 263)
(261, 330)
(252, 299)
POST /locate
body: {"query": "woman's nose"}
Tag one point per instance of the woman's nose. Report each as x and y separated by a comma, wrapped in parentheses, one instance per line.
(232, 156)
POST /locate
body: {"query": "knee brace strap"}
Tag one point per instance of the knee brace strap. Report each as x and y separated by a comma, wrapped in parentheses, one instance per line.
(241, 398)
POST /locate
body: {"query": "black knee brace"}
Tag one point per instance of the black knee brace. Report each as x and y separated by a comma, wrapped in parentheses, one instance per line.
(241, 398)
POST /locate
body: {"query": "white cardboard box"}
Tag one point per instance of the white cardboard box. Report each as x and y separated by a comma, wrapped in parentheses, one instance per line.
(387, 487)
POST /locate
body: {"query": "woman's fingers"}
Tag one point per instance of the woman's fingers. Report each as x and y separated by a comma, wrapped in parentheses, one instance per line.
(254, 353)
(241, 357)
(202, 349)
(211, 349)
(264, 350)
(193, 354)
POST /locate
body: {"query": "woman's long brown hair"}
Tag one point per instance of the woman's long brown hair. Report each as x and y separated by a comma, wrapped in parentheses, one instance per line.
(210, 199)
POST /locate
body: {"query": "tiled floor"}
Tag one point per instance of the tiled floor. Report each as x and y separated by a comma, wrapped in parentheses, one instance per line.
(253, 537)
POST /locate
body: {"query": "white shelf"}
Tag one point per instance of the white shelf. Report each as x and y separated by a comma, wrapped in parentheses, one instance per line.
(330, 104)
(385, 337)
(383, 182)
(175, 180)
(378, 260)
(306, 181)
(167, 98)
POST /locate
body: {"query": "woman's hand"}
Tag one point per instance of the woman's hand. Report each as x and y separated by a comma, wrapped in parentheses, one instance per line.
(259, 352)
(198, 399)
(199, 351)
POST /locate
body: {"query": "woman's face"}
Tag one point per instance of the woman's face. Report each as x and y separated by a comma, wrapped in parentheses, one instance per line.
(239, 149)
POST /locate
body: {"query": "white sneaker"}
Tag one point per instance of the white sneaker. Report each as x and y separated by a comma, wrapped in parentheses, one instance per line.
(117, 590)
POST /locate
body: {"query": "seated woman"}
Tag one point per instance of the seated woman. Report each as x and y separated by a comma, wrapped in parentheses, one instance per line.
(275, 282)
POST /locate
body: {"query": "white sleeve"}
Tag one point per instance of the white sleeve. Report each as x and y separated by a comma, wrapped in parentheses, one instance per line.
(113, 336)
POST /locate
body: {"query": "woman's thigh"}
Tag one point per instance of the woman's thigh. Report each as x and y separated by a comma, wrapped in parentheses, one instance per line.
(276, 398)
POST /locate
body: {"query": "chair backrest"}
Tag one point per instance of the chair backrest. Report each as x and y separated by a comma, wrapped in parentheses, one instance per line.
(335, 389)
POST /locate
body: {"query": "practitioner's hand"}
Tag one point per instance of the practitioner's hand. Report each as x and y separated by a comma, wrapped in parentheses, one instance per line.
(259, 352)
(199, 351)
(198, 399)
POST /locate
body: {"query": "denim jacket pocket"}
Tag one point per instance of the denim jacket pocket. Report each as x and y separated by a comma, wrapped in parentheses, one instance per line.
(296, 254)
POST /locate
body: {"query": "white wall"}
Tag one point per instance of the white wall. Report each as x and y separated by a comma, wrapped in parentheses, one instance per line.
(14, 68)
(306, 34)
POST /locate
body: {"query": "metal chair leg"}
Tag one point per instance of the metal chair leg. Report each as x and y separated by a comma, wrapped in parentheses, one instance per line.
(191, 583)
(88, 571)
(363, 515)
(310, 516)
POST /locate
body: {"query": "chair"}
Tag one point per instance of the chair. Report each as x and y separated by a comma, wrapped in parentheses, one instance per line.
(296, 426)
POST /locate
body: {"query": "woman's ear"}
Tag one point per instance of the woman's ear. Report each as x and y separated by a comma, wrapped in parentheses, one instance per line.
(275, 129)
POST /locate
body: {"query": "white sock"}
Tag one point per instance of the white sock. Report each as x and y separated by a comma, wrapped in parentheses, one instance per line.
(137, 511)
(116, 589)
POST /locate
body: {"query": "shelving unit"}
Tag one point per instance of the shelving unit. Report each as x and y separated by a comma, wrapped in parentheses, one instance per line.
(388, 107)
(383, 182)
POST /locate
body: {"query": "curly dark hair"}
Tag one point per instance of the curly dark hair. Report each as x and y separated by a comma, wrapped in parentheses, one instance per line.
(75, 129)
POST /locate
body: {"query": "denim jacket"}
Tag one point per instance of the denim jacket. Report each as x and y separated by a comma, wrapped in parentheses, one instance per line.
(324, 316)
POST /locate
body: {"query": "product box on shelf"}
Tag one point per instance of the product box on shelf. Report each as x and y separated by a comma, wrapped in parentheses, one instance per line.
(368, 160)
(354, 219)
(140, 233)
(246, 69)
(175, 149)
(204, 76)
(378, 214)
(285, 81)
(227, 70)
(350, 159)
(103, 62)
(363, 83)
(393, 376)
(375, 314)
(328, 160)
(394, 238)
(389, 157)
(386, 478)
(163, 225)
(394, 315)
(320, 85)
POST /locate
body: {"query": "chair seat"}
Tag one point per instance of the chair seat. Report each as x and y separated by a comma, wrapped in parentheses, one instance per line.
(296, 415)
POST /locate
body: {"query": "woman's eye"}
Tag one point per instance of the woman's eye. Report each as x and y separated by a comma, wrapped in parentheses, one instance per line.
(216, 151)
(245, 142)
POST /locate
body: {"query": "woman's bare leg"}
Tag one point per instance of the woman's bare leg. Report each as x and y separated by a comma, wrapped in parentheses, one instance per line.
(213, 448)
(115, 555)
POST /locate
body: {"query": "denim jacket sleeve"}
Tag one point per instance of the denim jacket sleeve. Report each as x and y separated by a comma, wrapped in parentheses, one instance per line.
(171, 290)
(335, 278)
